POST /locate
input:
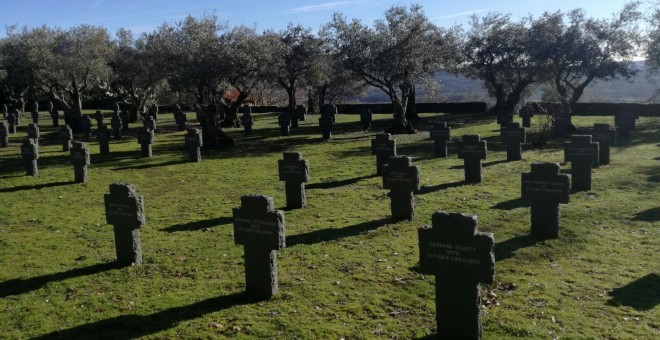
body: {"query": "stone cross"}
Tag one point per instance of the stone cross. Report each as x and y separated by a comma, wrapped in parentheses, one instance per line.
(504, 118)
(624, 122)
(55, 117)
(293, 115)
(33, 133)
(12, 122)
(284, 121)
(401, 178)
(17, 115)
(193, 144)
(325, 123)
(365, 119)
(150, 123)
(526, 114)
(582, 153)
(302, 112)
(117, 126)
(440, 134)
(180, 119)
(247, 119)
(145, 139)
(153, 112)
(115, 108)
(471, 149)
(35, 113)
(384, 147)
(260, 229)
(331, 111)
(86, 126)
(294, 171)
(124, 209)
(125, 118)
(103, 137)
(80, 160)
(461, 258)
(4, 135)
(513, 135)
(66, 136)
(99, 118)
(30, 154)
(544, 187)
(606, 137)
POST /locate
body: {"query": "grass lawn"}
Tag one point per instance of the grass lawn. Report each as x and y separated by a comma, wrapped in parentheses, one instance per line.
(347, 271)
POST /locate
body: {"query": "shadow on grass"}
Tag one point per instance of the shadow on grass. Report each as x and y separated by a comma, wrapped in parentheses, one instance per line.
(642, 294)
(512, 204)
(649, 215)
(337, 184)
(433, 188)
(20, 286)
(507, 249)
(149, 165)
(36, 187)
(135, 326)
(483, 165)
(332, 234)
(199, 225)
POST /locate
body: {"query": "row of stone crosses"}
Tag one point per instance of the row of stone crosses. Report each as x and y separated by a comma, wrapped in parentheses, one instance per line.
(451, 248)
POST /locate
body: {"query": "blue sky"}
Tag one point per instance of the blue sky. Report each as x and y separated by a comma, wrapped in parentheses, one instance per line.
(145, 15)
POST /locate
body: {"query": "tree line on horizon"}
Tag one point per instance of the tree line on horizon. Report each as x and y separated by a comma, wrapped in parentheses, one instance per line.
(203, 62)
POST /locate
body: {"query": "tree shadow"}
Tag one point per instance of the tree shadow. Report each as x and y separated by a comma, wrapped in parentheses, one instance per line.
(649, 215)
(135, 326)
(642, 294)
(36, 187)
(20, 286)
(332, 234)
(512, 204)
(483, 165)
(340, 183)
(433, 188)
(199, 225)
(507, 249)
(149, 165)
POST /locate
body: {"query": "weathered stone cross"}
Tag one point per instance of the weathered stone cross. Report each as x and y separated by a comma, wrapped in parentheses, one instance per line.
(582, 153)
(471, 149)
(384, 147)
(545, 188)
(294, 171)
(402, 179)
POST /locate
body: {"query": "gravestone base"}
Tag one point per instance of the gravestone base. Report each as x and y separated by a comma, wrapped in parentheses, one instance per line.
(104, 148)
(473, 170)
(31, 168)
(295, 195)
(80, 174)
(460, 318)
(545, 220)
(623, 133)
(260, 272)
(195, 155)
(440, 148)
(326, 133)
(284, 130)
(12, 128)
(402, 205)
(247, 129)
(145, 150)
(127, 245)
(116, 134)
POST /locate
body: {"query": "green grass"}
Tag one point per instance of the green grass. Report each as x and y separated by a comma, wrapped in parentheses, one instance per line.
(347, 270)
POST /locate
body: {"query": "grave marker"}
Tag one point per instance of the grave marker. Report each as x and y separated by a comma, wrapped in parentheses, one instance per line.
(294, 171)
(260, 229)
(402, 179)
(461, 258)
(513, 135)
(293, 117)
(4, 135)
(544, 187)
(384, 147)
(66, 136)
(624, 122)
(99, 118)
(331, 111)
(80, 160)
(117, 126)
(55, 117)
(4, 110)
(30, 154)
(325, 123)
(247, 119)
(145, 139)
(180, 119)
(504, 118)
(35, 113)
(365, 119)
(124, 210)
(33, 133)
(103, 137)
(193, 144)
(302, 112)
(471, 149)
(526, 114)
(86, 126)
(440, 134)
(12, 122)
(150, 123)
(125, 118)
(605, 136)
(582, 153)
(284, 121)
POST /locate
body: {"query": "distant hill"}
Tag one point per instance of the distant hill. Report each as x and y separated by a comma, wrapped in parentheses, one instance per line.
(458, 88)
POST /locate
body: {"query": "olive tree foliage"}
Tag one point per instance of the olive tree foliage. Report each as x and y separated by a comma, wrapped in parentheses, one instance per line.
(16, 76)
(497, 51)
(578, 50)
(403, 47)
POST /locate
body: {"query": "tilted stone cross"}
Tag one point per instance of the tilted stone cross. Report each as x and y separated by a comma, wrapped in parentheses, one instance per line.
(66, 137)
(384, 147)
(80, 160)
(294, 171)
(440, 134)
(86, 126)
(471, 149)
(30, 154)
(526, 114)
(124, 210)
(302, 112)
(605, 136)
(98, 115)
(193, 144)
(325, 123)
(544, 187)
(4, 135)
(12, 121)
(401, 178)
(365, 119)
(33, 132)
(117, 126)
(513, 135)
(150, 123)
(247, 119)
(582, 153)
(145, 139)
(260, 229)
(461, 258)
(103, 137)
(504, 118)
(284, 121)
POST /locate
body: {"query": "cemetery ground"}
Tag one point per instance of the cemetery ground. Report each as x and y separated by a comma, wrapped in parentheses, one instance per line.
(347, 269)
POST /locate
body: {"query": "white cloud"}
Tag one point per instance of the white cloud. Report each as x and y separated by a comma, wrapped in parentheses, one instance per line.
(460, 14)
(326, 6)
